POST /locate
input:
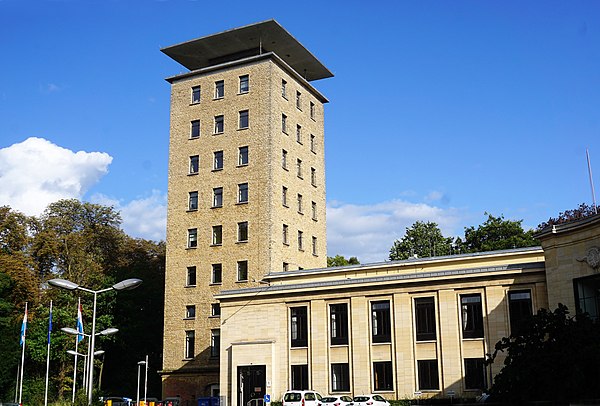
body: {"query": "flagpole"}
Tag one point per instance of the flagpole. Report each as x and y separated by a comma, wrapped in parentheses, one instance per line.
(23, 335)
(17, 385)
(48, 355)
(77, 340)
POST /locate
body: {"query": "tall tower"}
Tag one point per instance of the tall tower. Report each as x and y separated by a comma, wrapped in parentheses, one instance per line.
(246, 184)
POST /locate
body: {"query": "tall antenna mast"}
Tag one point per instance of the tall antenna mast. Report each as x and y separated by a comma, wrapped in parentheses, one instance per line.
(587, 154)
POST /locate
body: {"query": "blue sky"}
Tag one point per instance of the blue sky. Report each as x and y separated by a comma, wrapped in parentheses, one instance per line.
(439, 110)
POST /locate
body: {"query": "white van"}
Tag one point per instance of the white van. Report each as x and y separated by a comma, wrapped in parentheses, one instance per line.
(301, 398)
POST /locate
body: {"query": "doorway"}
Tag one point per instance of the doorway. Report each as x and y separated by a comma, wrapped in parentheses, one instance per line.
(251, 384)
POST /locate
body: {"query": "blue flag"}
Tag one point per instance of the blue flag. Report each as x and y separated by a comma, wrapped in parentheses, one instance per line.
(50, 323)
(24, 328)
(79, 323)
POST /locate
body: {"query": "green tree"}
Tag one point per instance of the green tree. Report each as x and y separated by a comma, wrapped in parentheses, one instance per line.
(423, 239)
(340, 260)
(555, 358)
(579, 213)
(497, 233)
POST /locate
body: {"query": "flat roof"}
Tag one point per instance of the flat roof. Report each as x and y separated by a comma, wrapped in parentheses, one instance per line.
(253, 39)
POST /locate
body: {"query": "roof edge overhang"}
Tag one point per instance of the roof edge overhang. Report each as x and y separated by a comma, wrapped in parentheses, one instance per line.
(564, 228)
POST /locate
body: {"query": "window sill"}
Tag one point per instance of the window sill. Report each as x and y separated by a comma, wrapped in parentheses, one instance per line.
(285, 132)
(246, 92)
(215, 283)
(241, 203)
(242, 281)
(285, 169)
(301, 249)
(299, 212)
(219, 98)
(241, 165)
(187, 359)
(193, 138)
(216, 245)
(315, 255)
(217, 169)
(195, 103)
(314, 219)
(286, 244)
(425, 341)
(191, 248)
(382, 343)
(242, 242)
(216, 207)
(313, 151)
(286, 206)
(338, 345)
(300, 177)
(218, 133)
(299, 142)
(190, 286)
(193, 173)
(285, 97)
(214, 316)
(314, 185)
(189, 318)
(243, 128)
(473, 338)
(191, 210)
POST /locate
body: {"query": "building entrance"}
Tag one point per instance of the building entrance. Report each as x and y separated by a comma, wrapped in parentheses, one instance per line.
(251, 385)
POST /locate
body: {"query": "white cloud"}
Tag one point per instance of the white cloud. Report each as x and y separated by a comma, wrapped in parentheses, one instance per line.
(145, 217)
(368, 231)
(36, 172)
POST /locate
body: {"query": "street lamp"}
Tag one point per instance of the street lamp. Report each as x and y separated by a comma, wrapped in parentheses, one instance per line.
(85, 361)
(127, 284)
(138, 382)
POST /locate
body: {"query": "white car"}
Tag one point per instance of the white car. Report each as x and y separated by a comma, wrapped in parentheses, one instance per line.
(301, 398)
(344, 400)
(370, 400)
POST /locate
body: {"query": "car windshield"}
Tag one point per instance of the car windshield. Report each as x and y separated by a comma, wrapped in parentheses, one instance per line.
(346, 398)
(292, 397)
(328, 400)
(361, 398)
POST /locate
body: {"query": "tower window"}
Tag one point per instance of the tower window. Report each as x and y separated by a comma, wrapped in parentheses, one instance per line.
(243, 193)
(195, 129)
(217, 273)
(243, 231)
(192, 238)
(194, 164)
(193, 201)
(218, 161)
(219, 89)
(195, 94)
(244, 121)
(244, 84)
(219, 124)
(217, 197)
(217, 235)
(242, 271)
(190, 276)
(243, 156)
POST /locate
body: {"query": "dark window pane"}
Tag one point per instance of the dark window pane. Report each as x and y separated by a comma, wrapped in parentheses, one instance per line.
(298, 326)
(339, 323)
(520, 309)
(340, 378)
(428, 375)
(425, 319)
(383, 378)
(475, 373)
(299, 377)
(472, 316)
(381, 322)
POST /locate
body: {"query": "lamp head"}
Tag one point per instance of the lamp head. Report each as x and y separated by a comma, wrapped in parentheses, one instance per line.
(109, 331)
(70, 330)
(127, 284)
(63, 284)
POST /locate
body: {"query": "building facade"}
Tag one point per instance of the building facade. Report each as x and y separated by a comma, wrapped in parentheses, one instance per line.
(246, 185)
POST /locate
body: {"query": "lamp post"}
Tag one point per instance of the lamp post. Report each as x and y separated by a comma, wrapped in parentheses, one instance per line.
(146, 382)
(138, 383)
(127, 284)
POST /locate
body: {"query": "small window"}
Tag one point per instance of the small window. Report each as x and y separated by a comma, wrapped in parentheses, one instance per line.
(283, 89)
(425, 318)
(286, 267)
(190, 276)
(299, 326)
(284, 123)
(299, 375)
(217, 273)
(194, 164)
(383, 378)
(299, 168)
(190, 312)
(193, 201)
(192, 238)
(219, 124)
(312, 110)
(284, 193)
(338, 323)
(520, 309)
(243, 231)
(243, 193)
(314, 245)
(300, 240)
(195, 94)
(472, 316)
(285, 235)
(299, 100)
(314, 210)
(284, 155)
(244, 122)
(215, 343)
(195, 129)
(312, 143)
(428, 374)
(244, 84)
(242, 271)
(243, 156)
(217, 235)
(299, 134)
(299, 203)
(217, 197)
(219, 89)
(190, 338)
(475, 373)
(215, 309)
(313, 176)
(340, 378)
(218, 161)
(381, 322)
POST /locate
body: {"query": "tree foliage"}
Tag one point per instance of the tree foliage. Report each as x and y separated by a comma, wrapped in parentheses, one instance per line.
(555, 358)
(340, 260)
(566, 216)
(497, 233)
(423, 239)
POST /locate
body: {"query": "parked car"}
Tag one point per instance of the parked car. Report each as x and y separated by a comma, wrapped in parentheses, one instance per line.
(344, 400)
(301, 398)
(370, 400)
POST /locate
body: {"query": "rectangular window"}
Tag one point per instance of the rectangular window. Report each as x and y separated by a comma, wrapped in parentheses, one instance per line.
(243, 231)
(300, 240)
(217, 235)
(299, 168)
(472, 316)
(313, 176)
(190, 276)
(192, 238)
(195, 94)
(283, 89)
(215, 309)
(285, 234)
(520, 309)
(286, 267)
(299, 199)
(284, 123)
(284, 159)
(338, 323)
(190, 338)
(193, 201)
(299, 326)
(219, 124)
(299, 100)
(314, 210)
(340, 378)
(242, 271)
(284, 193)
(244, 84)
(314, 245)
(190, 312)
(381, 322)
(215, 343)
(299, 375)
(218, 160)
(219, 89)
(425, 318)
(428, 374)
(244, 121)
(243, 193)
(194, 164)
(383, 379)
(312, 143)
(195, 129)
(217, 273)
(312, 110)
(475, 373)
(217, 197)
(299, 134)
(243, 156)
